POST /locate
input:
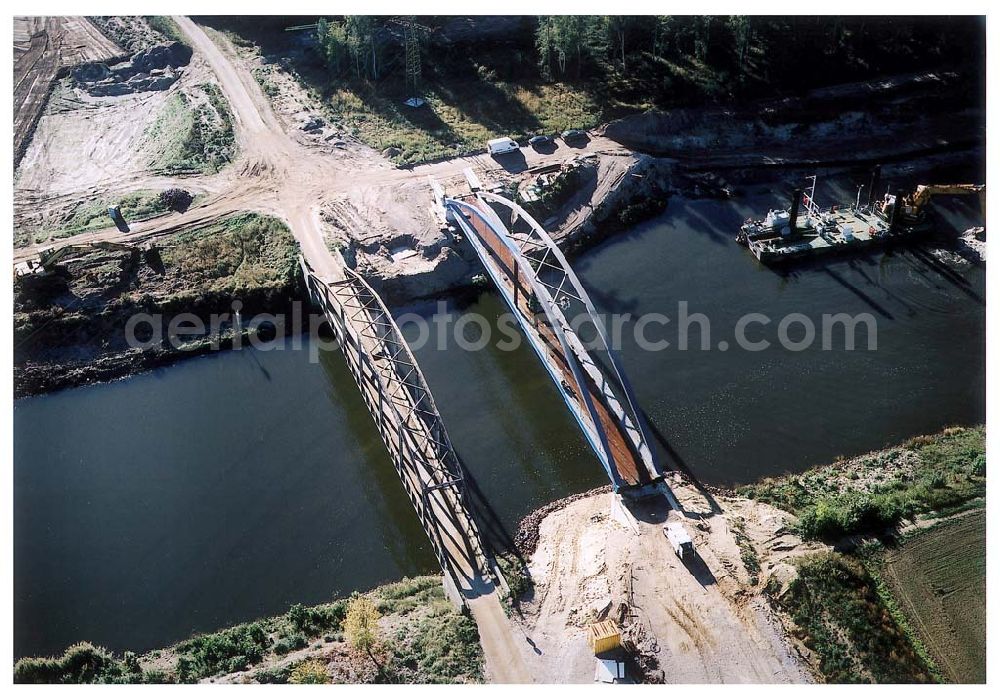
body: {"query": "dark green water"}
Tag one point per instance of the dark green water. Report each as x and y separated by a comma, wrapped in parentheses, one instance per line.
(214, 491)
(229, 487)
(735, 416)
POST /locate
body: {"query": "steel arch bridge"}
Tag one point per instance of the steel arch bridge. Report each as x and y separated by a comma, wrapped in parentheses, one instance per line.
(549, 302)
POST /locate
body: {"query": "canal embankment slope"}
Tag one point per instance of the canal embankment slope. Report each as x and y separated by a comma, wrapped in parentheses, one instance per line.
(103, 314)
(785, 586)
(887, 119)
(410, 634)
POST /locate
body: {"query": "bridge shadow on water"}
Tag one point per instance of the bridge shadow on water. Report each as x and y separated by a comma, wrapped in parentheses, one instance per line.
(674, 458)
(495, 534)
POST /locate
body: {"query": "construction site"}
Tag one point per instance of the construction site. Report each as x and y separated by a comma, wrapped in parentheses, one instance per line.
(172, 166)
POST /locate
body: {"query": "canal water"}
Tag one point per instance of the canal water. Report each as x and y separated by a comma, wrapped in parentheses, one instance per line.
(229, 487)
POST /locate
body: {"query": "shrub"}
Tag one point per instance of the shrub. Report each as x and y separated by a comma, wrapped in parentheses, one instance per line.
(222, 652)
(290, 643)
(839, 516)
(842, 618)
(516, 573)
(274, 675)
(406, 595)
(317, 620)
(81, 663)
(439, 648)
(486, 74)
(640, 210)
(153, 677)
(361, 625)
(979, 465)
(38, 670)
(176, 199)
(748, 554)
(936, 480)
(312, 671)
(938, 472)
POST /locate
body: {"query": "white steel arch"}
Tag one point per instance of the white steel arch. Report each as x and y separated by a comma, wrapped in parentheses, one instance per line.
(522, 257)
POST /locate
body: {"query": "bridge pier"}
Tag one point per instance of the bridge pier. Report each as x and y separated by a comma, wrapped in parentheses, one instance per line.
(452, 593)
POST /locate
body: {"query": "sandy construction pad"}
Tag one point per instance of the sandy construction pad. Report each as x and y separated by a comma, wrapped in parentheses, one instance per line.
(699, 621)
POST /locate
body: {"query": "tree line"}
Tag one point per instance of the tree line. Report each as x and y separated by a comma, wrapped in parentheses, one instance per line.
(356, 45)
(578, 46)
(589, 47)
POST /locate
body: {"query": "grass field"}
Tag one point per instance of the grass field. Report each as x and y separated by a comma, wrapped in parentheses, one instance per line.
(459, 117)
(938, 578)
(837, 612)
(242, 252)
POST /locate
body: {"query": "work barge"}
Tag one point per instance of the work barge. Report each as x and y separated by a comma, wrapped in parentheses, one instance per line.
(543, 293)
(805, 229)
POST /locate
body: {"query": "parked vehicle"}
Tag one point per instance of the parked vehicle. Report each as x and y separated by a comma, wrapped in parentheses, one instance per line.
(571, 135)
(500, 146)
(539, 141)
(680, 540)
(116, 216)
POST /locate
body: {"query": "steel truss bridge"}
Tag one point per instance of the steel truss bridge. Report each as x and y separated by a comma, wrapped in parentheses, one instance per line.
(396, 394)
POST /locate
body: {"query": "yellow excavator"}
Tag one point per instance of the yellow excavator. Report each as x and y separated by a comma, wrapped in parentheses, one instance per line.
(48, 258)
(923, 194)
(914, 203)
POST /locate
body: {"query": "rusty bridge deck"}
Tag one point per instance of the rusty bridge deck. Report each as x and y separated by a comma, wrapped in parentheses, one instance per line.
(543, 292)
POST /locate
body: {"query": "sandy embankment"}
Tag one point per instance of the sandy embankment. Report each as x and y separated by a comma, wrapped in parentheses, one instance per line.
(701, 622)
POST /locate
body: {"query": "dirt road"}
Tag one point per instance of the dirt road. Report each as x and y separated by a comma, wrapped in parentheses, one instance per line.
(280, 172)
(273, 166)
(504, 652)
